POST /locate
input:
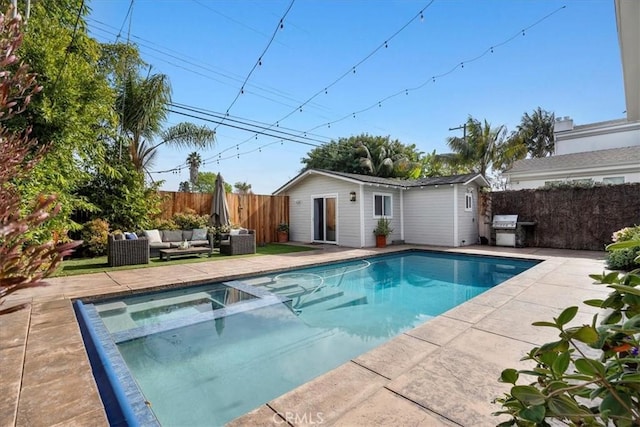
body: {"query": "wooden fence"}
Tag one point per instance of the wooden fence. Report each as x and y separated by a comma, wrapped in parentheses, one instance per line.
(572, 218)
(261, 213)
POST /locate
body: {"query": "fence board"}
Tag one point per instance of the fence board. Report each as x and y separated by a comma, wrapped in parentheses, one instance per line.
(261, 213)
(572, 218)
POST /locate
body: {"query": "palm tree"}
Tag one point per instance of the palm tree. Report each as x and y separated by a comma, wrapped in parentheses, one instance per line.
(478, 149)
(381, 157)
(242, 188)
(536, 132)
(184, 187)
(194, 160)
(142, 109)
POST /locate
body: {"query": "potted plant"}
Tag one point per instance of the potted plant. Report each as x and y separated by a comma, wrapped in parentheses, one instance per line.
(382, 230)
(283, 232)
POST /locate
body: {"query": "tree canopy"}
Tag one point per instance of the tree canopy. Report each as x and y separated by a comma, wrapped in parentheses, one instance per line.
(535, 131)
(367, 155)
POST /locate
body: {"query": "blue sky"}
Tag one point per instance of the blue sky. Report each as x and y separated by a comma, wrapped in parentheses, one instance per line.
(568, 63)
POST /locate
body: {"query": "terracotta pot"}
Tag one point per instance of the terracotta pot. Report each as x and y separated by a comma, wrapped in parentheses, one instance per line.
(283, 237)
(381, 241)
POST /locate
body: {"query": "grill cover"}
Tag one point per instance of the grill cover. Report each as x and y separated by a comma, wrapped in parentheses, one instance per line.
(505, 222)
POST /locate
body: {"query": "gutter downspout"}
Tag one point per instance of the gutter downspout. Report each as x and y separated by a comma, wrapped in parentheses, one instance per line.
(402, 214)
(455, 216)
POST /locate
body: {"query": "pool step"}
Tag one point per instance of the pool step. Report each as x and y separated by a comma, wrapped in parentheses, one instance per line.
(319, 300)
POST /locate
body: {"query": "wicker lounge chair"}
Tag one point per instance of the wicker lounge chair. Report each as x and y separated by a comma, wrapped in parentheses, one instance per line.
(239, 244)
(127, 252)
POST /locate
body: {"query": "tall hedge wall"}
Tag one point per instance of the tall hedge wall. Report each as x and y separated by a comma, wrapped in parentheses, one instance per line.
(572, 218)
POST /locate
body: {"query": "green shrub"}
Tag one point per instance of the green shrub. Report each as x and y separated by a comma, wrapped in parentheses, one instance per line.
(162, 224)
(94, 234)
(623, 259)
(189, 219)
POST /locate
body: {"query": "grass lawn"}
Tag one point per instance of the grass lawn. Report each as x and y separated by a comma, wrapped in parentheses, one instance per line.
(72, 267)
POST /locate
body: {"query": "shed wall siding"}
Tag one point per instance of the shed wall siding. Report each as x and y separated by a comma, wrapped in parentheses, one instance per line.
(370, 222)
(428, 216)
(301, 208)
(467, 221)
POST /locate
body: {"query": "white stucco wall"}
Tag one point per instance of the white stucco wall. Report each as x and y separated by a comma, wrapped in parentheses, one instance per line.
(428, 216)
(593, 138)
(301, 208)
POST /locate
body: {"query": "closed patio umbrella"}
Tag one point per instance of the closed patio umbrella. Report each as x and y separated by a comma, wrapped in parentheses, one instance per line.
(219, 208)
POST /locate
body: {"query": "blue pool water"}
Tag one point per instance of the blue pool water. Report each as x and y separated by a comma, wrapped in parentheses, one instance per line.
(206, 355)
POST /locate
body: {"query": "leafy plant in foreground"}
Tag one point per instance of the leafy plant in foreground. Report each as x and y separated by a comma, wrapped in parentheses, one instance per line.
(572, 385)
(22, 265)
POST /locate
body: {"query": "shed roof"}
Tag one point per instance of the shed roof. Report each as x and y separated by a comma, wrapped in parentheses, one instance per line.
(610, 157)
(388, 182)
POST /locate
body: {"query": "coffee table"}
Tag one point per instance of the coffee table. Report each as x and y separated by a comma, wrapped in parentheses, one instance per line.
(166, 254)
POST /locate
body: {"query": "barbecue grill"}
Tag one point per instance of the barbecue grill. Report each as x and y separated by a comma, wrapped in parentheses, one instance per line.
(505, 228)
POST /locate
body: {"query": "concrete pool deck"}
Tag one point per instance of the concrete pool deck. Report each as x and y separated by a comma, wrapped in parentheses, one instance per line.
(443, 372)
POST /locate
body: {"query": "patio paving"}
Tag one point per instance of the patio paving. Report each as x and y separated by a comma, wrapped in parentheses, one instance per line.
(442, 372)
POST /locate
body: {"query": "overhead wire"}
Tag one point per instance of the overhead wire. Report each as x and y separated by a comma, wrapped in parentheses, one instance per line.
(259, 61)
(67, 51)
(384, 44)
(435, 77)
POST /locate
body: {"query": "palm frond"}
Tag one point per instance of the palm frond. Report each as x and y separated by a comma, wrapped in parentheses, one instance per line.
(188, 135)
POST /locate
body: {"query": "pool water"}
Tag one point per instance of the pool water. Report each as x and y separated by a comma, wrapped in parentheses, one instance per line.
(206, 355)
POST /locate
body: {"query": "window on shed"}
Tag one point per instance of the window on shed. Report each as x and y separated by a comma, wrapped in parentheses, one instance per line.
(382, 205)
(614, 180)
(468, 201)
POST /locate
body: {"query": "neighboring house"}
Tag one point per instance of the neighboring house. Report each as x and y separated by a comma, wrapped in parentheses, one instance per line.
(343, 208)
(604, 152)
(612, 166)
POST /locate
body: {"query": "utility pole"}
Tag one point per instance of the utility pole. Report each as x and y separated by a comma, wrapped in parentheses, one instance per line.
(464, 130)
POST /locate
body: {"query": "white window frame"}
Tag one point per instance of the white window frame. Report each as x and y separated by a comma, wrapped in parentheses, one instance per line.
(384, 214)
(613, 180)
(468, 202)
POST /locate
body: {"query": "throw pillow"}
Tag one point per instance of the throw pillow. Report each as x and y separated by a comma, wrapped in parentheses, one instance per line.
(235, 232)
(118, 236)
(153, 236)
(131, 236)
(199, 234)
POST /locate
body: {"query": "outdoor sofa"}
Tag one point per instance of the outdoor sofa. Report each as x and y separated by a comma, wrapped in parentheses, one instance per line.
(166, 239)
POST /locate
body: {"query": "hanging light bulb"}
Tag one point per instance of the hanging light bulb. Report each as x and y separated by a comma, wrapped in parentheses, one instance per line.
(328, 125)
(379, 104)
(277, 124)
(281, 24)
(242, 90)
(434, 79)
(386, 44)
(354, 70)
(491, 49)
(462, 64)
(260, 61)
(259, 149)
(301, 108)
(421, 17)
(326, 91)
(238, 156)
(406, 91)
(523, 32)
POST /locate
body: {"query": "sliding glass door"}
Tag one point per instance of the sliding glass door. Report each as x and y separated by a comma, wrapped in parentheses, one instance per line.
(324, 219)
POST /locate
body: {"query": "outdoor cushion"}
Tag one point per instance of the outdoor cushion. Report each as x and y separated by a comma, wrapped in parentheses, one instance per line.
(160, 245)
(187, 234)
(199, 242)
(131, 236)
(234, 232)
(175, 244)
(118, 236)
(199, 234)
(153, 236)
(172, 235)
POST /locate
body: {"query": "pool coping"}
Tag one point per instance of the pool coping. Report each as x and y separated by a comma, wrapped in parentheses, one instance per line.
(40, 343)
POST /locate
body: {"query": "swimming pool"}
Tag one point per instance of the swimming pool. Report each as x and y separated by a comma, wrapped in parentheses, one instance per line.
(207, 354)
